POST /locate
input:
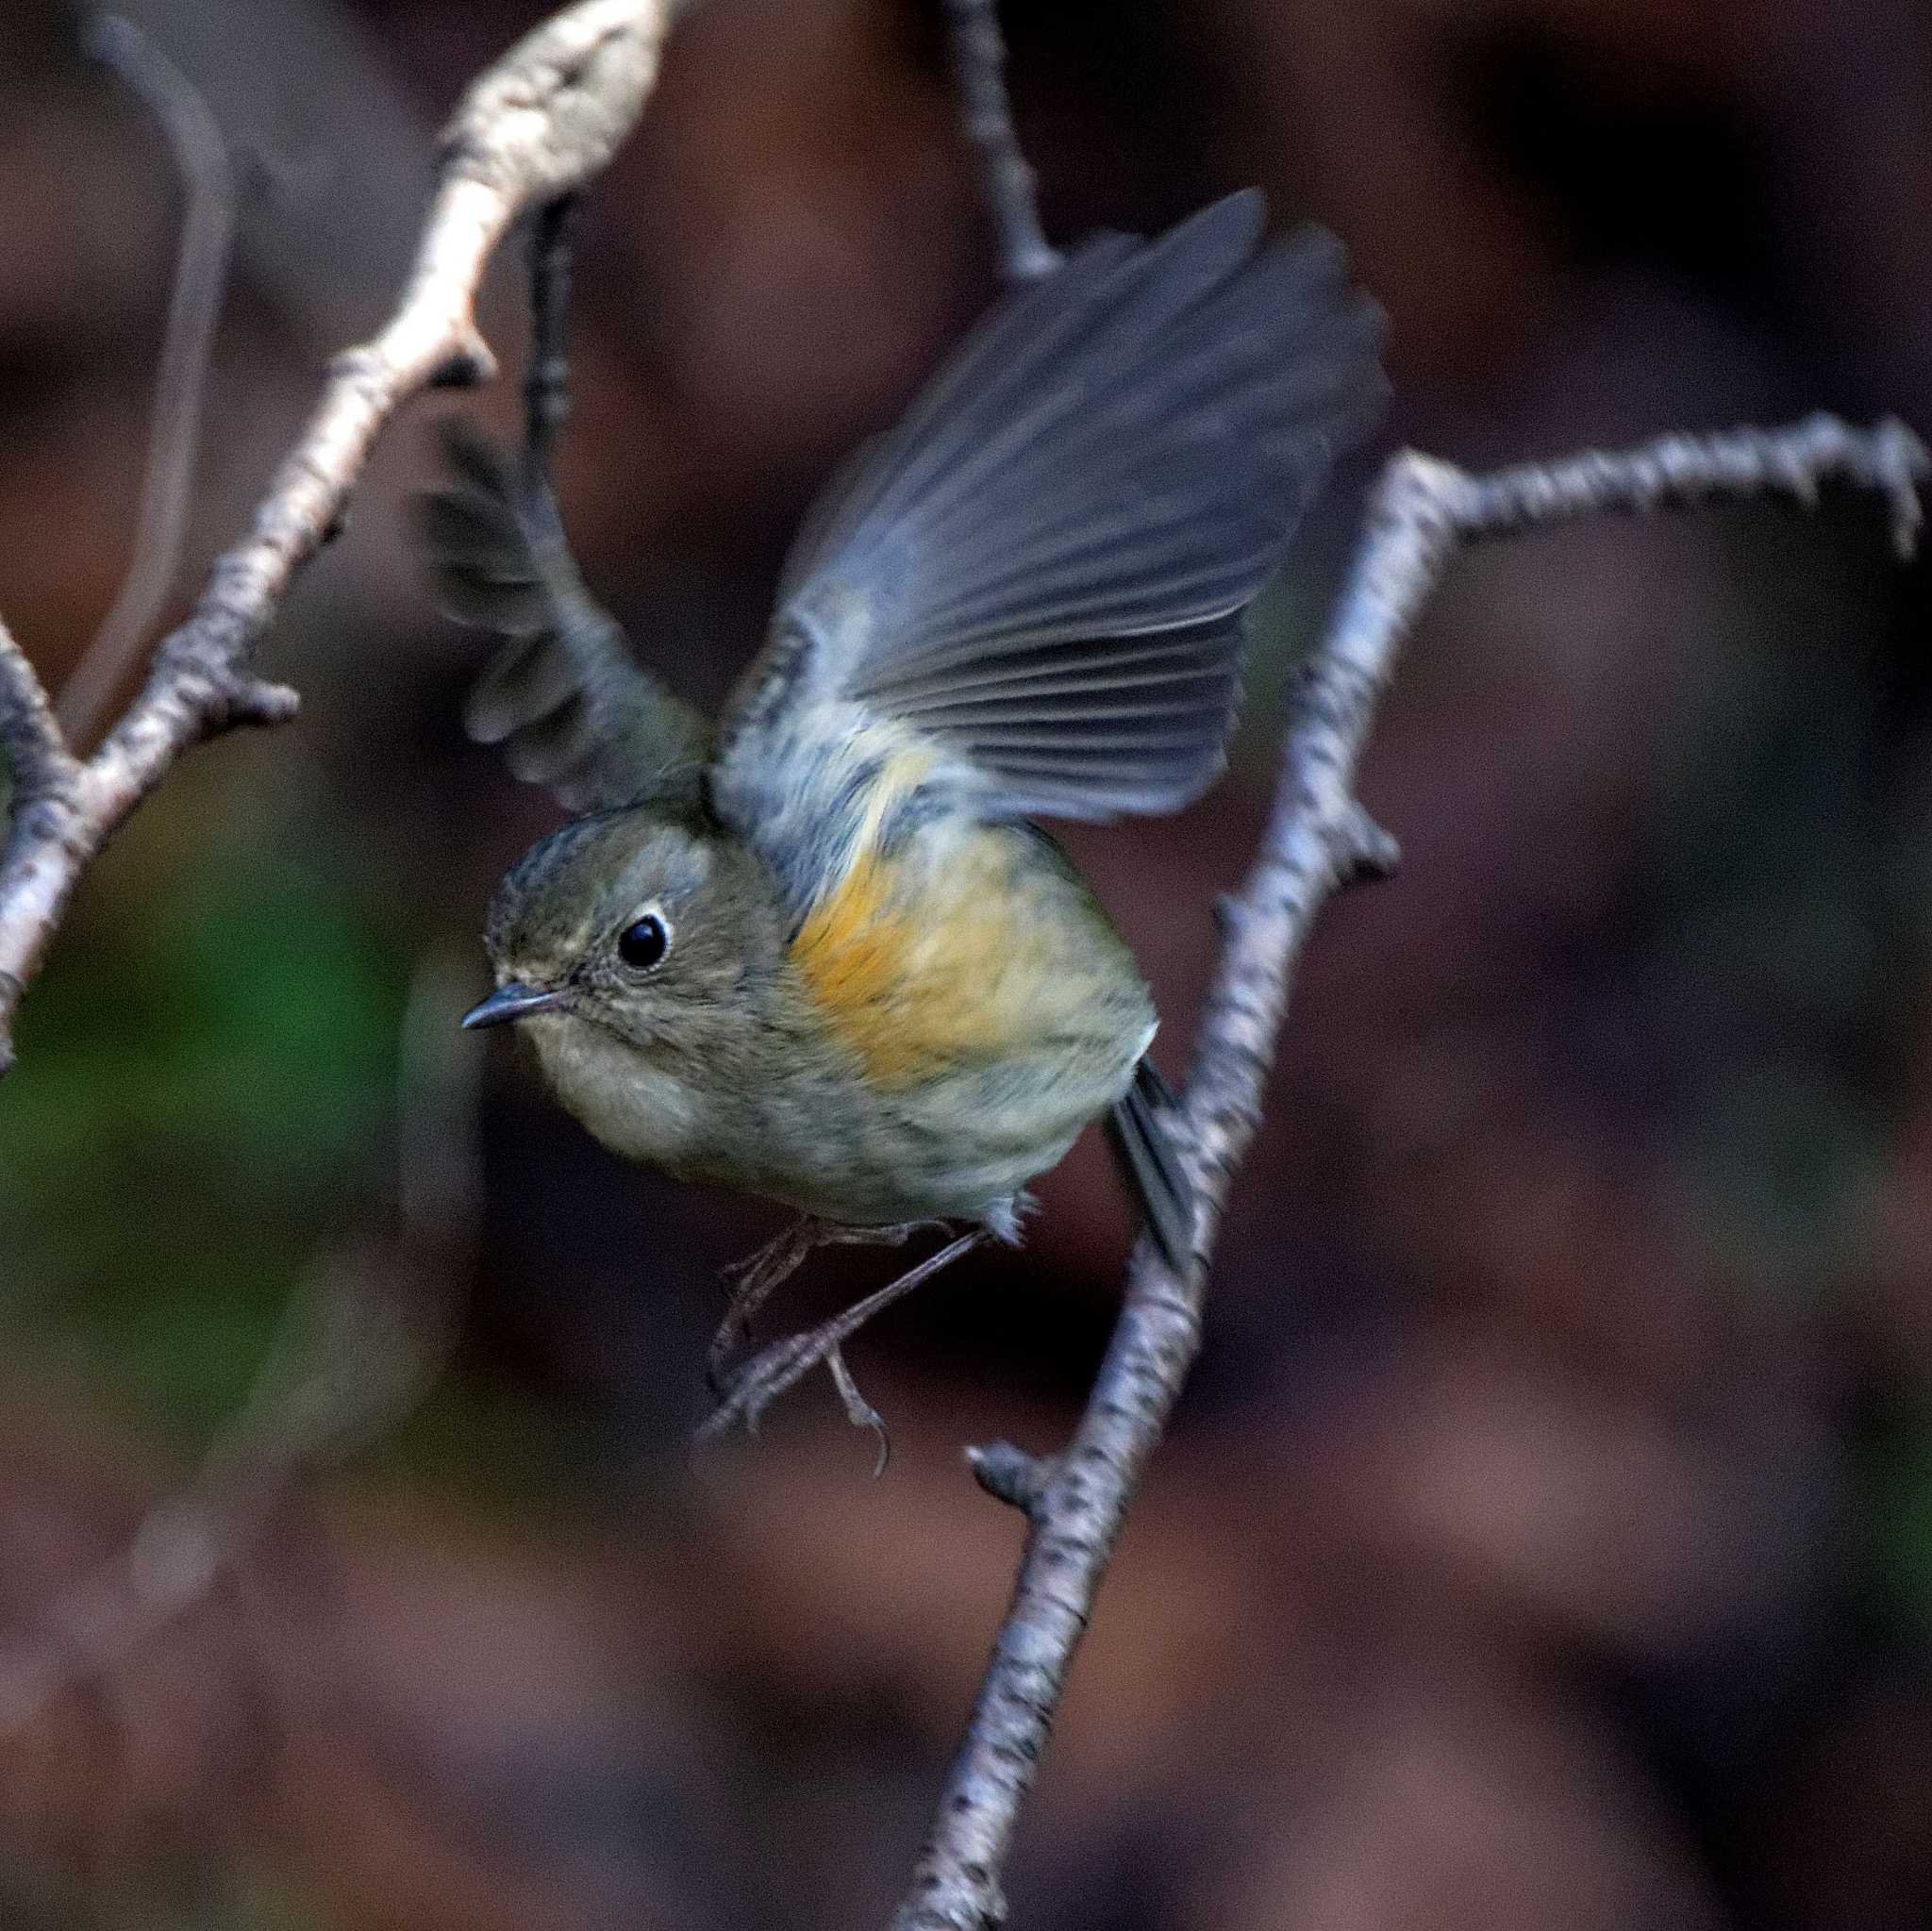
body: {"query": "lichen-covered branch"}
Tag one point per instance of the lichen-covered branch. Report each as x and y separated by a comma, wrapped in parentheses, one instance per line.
(1318, 838)
(534, 127)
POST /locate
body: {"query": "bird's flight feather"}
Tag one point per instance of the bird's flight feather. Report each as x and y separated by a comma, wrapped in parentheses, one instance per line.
(1041, 572)
(565, 696)
(1025, 598)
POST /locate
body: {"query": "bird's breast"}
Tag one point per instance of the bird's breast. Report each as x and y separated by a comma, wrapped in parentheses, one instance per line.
(971, 947)
(635, 1107)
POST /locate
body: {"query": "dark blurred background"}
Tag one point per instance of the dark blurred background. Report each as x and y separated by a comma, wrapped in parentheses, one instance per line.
(1546, 1538)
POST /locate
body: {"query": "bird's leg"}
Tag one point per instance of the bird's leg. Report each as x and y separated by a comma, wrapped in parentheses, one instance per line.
(752, 1282)
(762, 1380)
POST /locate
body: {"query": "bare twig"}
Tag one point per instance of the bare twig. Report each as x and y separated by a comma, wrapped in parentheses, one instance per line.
(546, 384)
(201, 273)
(38, 762)
(1008, 181)
(1318, 838)
(328, 224)
(1010, 1474)
(43, 844)
(535, 126)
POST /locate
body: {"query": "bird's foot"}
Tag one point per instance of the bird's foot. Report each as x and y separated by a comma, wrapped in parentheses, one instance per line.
(752, 1282)
(752, 1388)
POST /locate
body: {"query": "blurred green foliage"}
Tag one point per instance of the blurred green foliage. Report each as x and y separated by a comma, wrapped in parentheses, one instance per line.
(1898, 1480)
(201, 1900)
(213, 1039)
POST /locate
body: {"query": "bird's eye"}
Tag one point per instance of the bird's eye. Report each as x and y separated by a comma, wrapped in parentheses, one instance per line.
(643, 942)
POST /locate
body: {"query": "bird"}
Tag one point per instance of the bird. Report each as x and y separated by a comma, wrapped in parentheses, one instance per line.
(819, 949)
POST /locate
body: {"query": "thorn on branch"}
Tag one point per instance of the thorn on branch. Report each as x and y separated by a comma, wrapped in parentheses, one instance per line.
(469, 365)
(1679, 470)
(1902, 467)
(1010, 1474)
(259, 701)
(1367, 852)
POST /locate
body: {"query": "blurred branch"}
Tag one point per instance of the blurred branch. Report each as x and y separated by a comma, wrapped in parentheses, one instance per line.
(38, 761)
(327, 225)
(365, 1333)
(546, 385)
(979, 74)
(208, 232)
(1318, 839)
(535, 126)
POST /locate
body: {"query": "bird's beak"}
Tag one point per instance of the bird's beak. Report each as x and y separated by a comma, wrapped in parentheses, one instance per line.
(513, 1001)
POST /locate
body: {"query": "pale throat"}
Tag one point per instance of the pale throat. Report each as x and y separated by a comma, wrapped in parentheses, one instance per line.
(632, 1103)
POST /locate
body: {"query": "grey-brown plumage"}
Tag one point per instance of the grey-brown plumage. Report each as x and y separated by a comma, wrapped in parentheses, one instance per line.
(565, 696)
(818, 954)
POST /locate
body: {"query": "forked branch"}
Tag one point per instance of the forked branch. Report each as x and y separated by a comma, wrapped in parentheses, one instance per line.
(533, 129)
(1318, 838)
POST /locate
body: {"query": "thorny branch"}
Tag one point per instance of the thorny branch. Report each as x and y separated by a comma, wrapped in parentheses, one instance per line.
(534, 127)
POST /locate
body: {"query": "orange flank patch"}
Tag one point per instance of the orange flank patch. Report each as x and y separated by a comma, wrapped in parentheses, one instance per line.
(917, 967)
(852, 950)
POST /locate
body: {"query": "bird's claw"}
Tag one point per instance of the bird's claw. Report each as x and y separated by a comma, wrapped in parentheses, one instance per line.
(750, 1284)
(860, 1412)
(773, 1371)
(734, 1331)
(752, 1388)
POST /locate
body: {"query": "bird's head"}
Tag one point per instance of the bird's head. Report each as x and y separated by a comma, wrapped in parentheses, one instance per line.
(650, 923)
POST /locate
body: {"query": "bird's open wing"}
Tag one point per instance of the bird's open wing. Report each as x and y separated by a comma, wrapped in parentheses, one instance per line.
(1038, 576)
(564, 696)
